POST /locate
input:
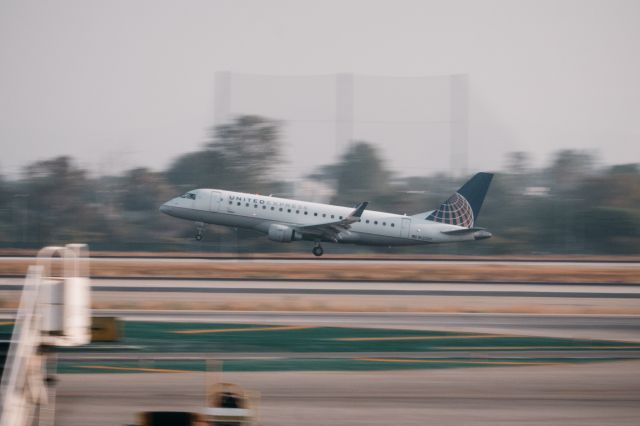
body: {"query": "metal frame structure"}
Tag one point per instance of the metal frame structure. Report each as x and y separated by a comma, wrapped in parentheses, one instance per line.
(53, 311)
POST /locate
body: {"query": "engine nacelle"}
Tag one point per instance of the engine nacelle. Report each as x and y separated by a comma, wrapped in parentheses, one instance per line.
(283, 233)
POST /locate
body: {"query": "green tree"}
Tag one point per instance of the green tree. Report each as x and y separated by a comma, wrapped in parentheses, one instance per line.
(55, 194)
(360, 175)
(609, 230)
(250, 148)
(200, 169)
(241, 156)
(569, 168)
(143, 190)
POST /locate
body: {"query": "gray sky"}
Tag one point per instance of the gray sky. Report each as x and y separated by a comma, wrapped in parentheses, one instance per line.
(118, 84)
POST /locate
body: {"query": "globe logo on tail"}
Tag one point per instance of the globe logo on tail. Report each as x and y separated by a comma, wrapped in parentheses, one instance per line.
(455, 211)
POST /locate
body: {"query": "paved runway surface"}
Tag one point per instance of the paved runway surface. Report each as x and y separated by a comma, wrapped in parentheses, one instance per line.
(353, 260)
(617, 327)
(621, 327)
(605, 291)
(580, 395)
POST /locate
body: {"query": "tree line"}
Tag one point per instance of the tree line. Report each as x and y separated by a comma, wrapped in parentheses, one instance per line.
(570, 205)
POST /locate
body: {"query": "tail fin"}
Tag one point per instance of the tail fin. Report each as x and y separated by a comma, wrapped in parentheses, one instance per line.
(463, 207)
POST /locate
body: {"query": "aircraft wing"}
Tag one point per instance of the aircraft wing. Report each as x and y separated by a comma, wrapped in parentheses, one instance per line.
(330, 230)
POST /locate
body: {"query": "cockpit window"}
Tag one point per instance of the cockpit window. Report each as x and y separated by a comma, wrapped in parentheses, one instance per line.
(189, 195)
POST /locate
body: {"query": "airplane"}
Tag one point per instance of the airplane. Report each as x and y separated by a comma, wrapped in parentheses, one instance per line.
(286, 220)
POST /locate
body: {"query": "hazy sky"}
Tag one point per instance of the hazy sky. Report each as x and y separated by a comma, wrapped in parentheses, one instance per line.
(118, 84)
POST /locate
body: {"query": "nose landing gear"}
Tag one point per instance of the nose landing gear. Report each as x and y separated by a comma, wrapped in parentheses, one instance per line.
(199, 231)
(317, 250)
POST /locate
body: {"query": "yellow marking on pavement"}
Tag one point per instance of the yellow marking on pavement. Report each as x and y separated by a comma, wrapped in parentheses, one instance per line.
(239, 330)
(376, 339)
(148, 370)
(448, 361)
(6, 322)
(491, 348)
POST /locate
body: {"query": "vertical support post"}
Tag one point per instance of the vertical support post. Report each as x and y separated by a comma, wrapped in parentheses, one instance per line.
(222, 98)
(459, 123)
(345, 111)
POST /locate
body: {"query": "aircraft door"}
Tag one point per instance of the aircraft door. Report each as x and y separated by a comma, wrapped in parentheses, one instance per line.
(404, 227)
(216, 200)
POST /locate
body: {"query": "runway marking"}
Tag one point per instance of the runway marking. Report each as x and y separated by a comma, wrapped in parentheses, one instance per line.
(376, 339)
(472, 348)
(239, 330)
(6, 322)
(445, 361)
(147, 370)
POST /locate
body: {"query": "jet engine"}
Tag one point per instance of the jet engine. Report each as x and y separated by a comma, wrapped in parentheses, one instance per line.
(283, 233)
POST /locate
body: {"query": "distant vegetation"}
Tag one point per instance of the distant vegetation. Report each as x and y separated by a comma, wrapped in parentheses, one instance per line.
(571, 205)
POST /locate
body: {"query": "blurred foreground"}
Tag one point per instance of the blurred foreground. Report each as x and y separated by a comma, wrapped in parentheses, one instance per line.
(359, 324)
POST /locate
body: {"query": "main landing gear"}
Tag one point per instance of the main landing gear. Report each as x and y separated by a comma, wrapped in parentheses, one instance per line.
(317, 250)
(199, 231)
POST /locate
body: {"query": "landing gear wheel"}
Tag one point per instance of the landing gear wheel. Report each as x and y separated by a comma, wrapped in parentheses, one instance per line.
(317, 250)
(200, 227)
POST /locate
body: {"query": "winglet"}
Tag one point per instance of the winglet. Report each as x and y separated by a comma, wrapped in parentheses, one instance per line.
(354, 216)
(359, 209)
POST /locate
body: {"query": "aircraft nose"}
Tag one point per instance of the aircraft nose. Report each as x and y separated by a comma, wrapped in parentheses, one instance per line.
(164, 208)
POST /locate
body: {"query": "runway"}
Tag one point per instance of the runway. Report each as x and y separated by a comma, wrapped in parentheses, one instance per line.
(372, 288)
(618, 327)
(539, 387)
(614, 327)
(351, 260)
(355, 296)
(580, 395)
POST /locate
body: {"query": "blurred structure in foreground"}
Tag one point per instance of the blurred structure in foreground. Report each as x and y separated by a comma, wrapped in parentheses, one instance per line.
(54, 312)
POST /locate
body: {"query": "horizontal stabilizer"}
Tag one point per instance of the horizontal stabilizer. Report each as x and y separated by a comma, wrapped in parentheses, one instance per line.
(462, 231)
(478, 233)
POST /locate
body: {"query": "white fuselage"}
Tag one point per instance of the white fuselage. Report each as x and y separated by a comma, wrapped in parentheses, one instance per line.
(258, 212)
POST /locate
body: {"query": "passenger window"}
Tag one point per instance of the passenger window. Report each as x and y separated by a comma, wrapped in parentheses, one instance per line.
(280, 208)
(288, 210)
(393, 224)
(332, 216)
(367, 220)
(315, 214)
(272, 208)
(375, 222)
(238, 202)
(384, 223)
(255, 206)
(306, 213)
(297, 211)
(340, 217)
(230, 202)
(324, 215)
(247, 204)
(264, 207)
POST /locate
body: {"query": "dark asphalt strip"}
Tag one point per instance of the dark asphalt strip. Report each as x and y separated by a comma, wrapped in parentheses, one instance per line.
(348, 258)
(362, 292)
(324, 280)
